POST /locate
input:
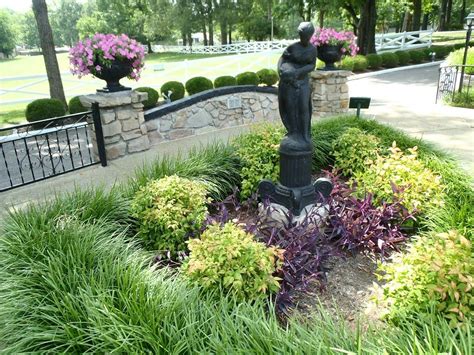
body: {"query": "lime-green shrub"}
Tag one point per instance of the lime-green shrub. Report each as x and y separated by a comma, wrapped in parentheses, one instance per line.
(247, 78)
(456, 57)
(226, 80)
(389, 60)
(267, 77)
(416, 57)
(167, 210)
(228, 258)
(198, 84)
(354, 150)
(152, 98)
(258, 152)
(419, 187)
(374, 61)
(176, 88)
(403, 57)
(44, 108)
(360, 63)
(75, 106)
(437, 270)
(347, 63)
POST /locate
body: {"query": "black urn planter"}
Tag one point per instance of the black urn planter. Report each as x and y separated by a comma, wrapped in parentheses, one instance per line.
(329, 54)
(112, 75)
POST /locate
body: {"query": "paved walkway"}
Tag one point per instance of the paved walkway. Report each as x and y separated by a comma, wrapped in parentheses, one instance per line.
(404, 99)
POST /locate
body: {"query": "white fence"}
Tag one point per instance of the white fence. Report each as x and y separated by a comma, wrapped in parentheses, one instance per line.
(403, 40)
(383, 42)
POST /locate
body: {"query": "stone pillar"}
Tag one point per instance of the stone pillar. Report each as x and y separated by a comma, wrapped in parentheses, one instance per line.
(330, 92)
(123, 122)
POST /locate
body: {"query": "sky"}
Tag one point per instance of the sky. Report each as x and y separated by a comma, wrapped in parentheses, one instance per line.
(16, 5)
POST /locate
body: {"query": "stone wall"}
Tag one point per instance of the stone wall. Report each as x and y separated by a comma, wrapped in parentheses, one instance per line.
(123, 122)
(210, 114)
(330, 92)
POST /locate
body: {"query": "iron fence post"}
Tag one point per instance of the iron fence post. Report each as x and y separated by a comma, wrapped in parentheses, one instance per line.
(99, 135)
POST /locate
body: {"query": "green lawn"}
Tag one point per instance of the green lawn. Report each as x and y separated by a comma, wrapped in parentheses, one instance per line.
(174, 66)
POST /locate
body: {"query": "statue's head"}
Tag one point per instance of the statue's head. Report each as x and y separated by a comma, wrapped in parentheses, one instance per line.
(305, 30)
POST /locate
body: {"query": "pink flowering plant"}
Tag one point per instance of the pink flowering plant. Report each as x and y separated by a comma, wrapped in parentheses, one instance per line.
(330, 36)
(91, 55)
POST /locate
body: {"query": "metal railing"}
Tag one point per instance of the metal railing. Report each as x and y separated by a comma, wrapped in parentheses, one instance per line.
(450, 84)
(43, 149)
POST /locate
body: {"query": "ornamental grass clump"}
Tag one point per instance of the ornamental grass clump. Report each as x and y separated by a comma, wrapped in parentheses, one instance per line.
(258, 153)
(227, 258)
(91, 55)
(168, 211)
(436, 271)
(401, 177)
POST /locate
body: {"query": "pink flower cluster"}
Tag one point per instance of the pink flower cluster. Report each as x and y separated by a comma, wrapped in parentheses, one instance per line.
(330, 36)
(90, 55)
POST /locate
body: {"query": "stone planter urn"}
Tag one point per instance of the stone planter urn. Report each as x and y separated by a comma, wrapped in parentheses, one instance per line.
(329, 54)
(112, 75)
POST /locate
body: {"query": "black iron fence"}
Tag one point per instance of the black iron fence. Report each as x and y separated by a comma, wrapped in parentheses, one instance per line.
(36, 151)
(456, 82)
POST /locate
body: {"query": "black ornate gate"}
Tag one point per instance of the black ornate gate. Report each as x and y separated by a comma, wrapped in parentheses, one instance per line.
(36, 151)
(454, 79)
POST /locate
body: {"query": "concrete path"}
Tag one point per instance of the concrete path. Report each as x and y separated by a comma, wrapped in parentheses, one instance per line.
(406, 99)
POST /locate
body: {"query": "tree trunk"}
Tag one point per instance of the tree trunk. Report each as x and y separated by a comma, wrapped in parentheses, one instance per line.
(416, 15)
(449, 9)
(355, 19)
(424, 25)
(190, 39)
(463, 12)
(211, 31)
(204, 32)
(223, 32)
(366, 30)
(321, 18)
(56, 90)
(442, 15)
(406, 20)
(230, 34)
(184, 38)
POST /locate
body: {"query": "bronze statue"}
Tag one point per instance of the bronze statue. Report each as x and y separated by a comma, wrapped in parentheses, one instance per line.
(294, 91)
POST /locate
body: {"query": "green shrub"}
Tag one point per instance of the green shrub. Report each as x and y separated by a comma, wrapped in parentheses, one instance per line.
(269, 77)
(456, 57)
(228, 258)
(167, 210)
(247, 78)
(347, 63)
(360, 63)
(152, 97)
(354, 150)
(44, 108)
(225, 80)
(176, 88)
(436, 271)
(389, 60)
(75, 106)
(462, 99)
(374, 61)
(420, 189)
(198, 84)
(403, 57)
(258, 152)
(416, 57)
(442, 52)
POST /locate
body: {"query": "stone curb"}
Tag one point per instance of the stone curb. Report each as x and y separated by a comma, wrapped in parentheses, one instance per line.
(393, 70)
(205, 95)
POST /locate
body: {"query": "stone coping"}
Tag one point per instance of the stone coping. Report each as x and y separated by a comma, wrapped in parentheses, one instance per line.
(165, 109)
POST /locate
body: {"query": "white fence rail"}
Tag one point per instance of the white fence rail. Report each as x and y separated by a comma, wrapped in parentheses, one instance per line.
(403, 40)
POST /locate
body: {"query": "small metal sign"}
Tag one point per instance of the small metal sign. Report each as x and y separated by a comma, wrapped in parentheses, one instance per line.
(234, 102)
(358, 103)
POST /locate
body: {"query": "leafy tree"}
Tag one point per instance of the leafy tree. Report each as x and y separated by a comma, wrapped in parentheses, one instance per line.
(8, 33)
(49, 55)
(64, 20)
(29, 30)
